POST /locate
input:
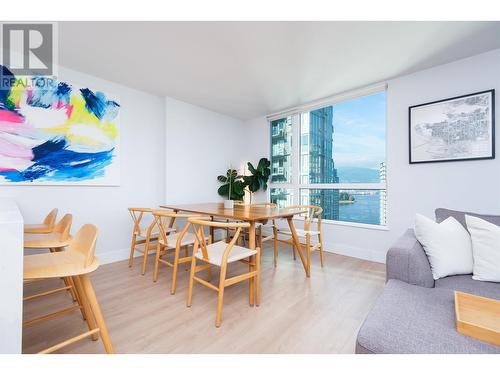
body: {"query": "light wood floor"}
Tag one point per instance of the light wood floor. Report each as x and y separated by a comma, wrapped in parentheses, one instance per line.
(297, 315)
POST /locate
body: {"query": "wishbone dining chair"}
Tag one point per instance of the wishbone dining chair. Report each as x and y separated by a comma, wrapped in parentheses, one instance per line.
(168, 243)
(143, 236)
(221, 254)
(312, 215)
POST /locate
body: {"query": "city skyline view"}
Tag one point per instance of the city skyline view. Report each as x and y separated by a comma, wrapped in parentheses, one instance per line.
(341, 143)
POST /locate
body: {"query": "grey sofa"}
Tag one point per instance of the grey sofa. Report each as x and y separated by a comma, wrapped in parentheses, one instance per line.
(415, 313)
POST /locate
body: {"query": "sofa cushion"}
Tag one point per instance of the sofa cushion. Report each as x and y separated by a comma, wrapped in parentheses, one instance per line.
(447, 246)
(443, 213)
(465, 283)
(409, 319)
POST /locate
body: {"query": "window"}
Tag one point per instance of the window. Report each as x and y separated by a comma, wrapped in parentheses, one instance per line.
(338, 163)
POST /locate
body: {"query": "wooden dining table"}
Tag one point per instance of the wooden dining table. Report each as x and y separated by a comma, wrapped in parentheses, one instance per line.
(250, 214)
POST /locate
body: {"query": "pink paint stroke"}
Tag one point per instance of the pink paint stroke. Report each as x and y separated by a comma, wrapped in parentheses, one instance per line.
(15, 150)
(9, 116)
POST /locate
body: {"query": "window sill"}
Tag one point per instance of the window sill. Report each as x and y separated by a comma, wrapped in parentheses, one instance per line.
(357, 225)
(350, 224)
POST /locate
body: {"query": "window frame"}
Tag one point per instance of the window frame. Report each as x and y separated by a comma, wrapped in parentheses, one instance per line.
(295, 185)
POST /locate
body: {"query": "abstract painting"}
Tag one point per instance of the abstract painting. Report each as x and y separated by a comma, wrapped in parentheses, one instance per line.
(55, 133)
(459, 128)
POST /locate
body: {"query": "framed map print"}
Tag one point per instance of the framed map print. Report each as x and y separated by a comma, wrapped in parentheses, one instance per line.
(459, 128)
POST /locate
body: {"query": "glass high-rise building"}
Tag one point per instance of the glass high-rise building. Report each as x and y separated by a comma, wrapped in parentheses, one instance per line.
(316, 161)
(281, 144)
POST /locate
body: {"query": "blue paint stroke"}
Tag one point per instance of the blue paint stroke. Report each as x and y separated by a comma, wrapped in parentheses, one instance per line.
(54, 162)
(98, 105)
(48, 92)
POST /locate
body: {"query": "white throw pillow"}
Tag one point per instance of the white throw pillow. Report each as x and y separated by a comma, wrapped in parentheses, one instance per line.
(485, 248)
(447, 245)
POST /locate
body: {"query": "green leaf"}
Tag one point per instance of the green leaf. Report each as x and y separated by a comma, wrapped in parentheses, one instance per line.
(232, 173)
(251, 168)
(223, 190)
(222, 179)
(265, 163)
(238, 188)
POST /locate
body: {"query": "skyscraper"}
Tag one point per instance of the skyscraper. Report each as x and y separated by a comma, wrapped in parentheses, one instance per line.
(281, 143)
(316, 160)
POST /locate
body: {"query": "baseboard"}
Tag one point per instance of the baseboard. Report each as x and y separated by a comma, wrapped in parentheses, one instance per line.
(355, 252)
(341, 249)
(350, 251)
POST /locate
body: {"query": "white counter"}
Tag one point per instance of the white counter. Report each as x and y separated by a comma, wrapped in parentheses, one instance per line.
(11, 276)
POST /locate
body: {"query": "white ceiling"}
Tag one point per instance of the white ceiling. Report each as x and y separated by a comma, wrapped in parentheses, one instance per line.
(249, 69)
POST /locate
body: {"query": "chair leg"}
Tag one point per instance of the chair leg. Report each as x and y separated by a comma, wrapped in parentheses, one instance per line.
(220, 297)
(186, 254)
(308, 252)
(145, 259)
(157, 261)
(209, 273)
(251, 282)
(294, 250)
(132, 250)
(71, 290)
(257, 278)
(86, 307)
(78, 296)
(174, 271)
(275, 232)
(96, 309)
(320, 239)
(191, 281)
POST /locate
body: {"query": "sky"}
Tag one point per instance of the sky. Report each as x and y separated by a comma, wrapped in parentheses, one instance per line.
(359, 127)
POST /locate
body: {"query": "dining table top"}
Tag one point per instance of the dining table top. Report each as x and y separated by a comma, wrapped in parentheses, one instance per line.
(239, 212)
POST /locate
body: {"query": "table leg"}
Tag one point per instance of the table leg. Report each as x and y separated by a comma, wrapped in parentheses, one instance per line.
(172, 220)
(251, 245)
(212, 231)
(298, 246)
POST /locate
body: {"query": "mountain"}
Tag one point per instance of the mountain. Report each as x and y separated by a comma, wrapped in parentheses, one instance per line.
(356, 174)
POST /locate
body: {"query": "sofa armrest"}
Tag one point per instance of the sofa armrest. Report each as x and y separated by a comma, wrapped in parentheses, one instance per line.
(406, 261)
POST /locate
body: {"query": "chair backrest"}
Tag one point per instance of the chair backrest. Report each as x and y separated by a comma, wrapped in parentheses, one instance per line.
(162, 216)
(84, 243)
(198, 229)
(50, 219)
(137, 214)
(63, 227)
(312, 212)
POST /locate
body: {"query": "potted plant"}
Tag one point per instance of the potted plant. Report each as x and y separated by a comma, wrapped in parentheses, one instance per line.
(233, 187)
(258, 177)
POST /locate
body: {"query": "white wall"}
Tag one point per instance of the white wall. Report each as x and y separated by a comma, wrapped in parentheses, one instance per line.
(200, 145)
(467, 185)
(11, 282)
(142, 173)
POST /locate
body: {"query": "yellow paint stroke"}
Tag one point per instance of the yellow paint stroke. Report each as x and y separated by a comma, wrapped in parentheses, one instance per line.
(80, 115)
(16, 93)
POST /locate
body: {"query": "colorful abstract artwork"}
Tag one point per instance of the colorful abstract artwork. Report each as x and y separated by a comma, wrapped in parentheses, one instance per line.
(54, 133)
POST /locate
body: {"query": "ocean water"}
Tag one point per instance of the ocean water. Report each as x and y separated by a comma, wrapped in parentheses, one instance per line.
(365, 209)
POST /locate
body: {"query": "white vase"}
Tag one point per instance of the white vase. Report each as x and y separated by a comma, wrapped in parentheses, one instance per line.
(228, 203)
